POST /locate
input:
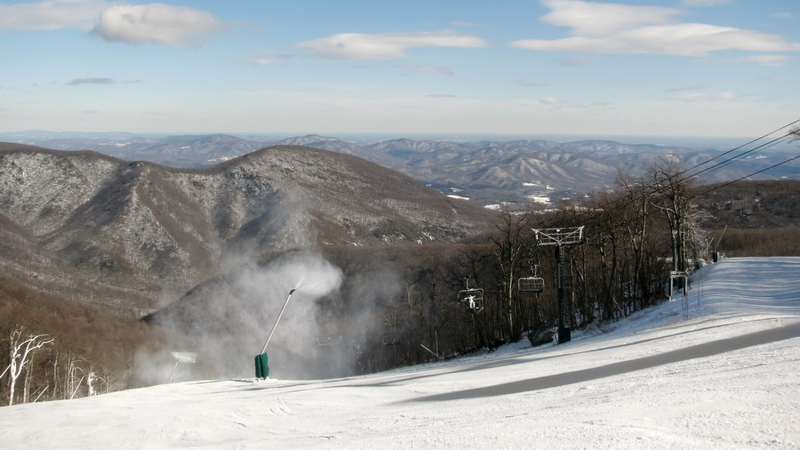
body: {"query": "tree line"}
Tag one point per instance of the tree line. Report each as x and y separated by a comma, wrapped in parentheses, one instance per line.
(636, 235)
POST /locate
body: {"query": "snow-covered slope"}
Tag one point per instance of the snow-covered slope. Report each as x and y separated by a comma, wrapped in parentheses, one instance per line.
(728, 377)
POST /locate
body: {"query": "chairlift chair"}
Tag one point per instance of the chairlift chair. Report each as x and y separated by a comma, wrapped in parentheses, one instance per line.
(531, 284)
(472, 297)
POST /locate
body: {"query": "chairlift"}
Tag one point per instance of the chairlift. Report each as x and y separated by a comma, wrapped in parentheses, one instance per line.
(472, 297)
(532, 284)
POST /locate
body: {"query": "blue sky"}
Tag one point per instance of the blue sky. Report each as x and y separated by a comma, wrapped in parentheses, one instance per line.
(634, 67)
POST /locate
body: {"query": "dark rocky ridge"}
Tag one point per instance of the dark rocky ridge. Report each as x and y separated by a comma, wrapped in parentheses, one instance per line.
(132, 236)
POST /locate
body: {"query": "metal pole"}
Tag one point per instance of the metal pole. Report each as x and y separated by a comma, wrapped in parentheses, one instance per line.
(564, 334)
(276, 321)
(671, 280)
(560, 237)
(173, 370)
(431, 352)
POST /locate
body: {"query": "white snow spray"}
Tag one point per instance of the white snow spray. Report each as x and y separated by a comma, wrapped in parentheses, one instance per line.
(233, 317)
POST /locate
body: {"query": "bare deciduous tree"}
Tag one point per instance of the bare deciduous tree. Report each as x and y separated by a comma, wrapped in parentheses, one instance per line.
(674, 193)
(20, 353)
(507, 246)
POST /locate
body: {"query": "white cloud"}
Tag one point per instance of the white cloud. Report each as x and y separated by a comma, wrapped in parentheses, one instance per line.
(599, 19)
(615, 28)
(156, 23)
(764, 60)
(133, 24)
(51, 15)
(385, 46)
(705, 98)
(428, 69)
(78, 81)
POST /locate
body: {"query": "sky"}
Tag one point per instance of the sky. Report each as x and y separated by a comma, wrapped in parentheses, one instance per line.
(572, 67)
(724, 377)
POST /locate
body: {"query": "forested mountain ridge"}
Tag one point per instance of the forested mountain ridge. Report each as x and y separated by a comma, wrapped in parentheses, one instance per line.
(128, 235)
(487, 172)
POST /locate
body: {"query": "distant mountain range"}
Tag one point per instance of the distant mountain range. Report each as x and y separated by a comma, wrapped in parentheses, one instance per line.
(486, 172)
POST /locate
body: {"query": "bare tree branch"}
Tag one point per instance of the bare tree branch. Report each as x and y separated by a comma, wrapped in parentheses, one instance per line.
(20, 352)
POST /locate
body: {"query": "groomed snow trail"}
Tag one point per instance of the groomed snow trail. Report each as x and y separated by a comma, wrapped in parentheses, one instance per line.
(728, 377)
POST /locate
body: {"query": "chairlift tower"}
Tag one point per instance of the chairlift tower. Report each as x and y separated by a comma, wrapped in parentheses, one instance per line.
(560, 237)
(684, 276)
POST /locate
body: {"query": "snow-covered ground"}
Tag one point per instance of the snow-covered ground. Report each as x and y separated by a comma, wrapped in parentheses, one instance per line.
(728, 377)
